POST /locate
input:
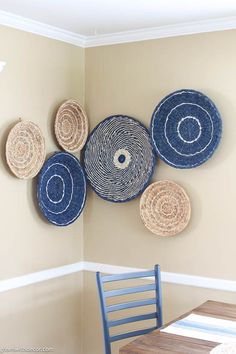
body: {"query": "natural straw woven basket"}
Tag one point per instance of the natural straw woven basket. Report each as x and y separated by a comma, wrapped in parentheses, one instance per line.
(225, 348)
(71, 126)
(25, 150)
(165, 208)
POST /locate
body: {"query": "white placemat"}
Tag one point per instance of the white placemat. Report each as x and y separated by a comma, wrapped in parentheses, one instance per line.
(226, 348)
(204, 327)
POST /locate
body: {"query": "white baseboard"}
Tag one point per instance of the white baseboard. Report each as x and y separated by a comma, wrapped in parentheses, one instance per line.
(166, 277)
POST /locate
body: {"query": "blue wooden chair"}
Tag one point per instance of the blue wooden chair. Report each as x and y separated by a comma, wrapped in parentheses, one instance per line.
(106, 309)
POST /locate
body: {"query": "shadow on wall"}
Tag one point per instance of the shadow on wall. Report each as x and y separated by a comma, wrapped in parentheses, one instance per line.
(33, 201)
(5, 128)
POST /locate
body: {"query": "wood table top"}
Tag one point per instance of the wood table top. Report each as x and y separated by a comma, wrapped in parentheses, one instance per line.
(162, 343)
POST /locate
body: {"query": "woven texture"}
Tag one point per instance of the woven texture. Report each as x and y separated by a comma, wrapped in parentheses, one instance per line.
(165, 208)
(225, 348)
(61, 189)
(71, 126)
(119, 158)
(25, 150)
(186, 129)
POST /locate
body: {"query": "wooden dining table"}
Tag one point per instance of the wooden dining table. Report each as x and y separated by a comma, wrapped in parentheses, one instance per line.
(159, 342)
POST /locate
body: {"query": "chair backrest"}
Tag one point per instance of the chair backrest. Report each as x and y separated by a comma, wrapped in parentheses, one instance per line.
(106, 309)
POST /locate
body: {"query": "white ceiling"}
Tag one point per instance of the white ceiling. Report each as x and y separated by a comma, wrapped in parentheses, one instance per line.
(102, 17)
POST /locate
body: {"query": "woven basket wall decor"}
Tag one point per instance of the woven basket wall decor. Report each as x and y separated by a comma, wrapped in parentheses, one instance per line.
(25, 150)
(71, 126)
(225, 348)
(119, 159)
(165, 208)
(186, 129)
(61, 189)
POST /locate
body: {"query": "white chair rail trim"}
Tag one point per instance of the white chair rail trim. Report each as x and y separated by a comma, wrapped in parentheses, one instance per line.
(166, 277)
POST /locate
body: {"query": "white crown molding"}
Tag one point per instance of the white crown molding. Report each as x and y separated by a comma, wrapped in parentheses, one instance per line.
(42, 29)
(181, 29)
(166, 277)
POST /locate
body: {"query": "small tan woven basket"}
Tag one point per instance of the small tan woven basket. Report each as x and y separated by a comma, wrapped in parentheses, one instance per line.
(165, 208)
(25, 150)
(225, 348)
(71, 126)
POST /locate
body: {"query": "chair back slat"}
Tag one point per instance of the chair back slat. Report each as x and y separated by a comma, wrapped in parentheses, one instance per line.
(130, 304)
(158, 295)
(127, 276)
(146, 316)
(132, 290)
(106, 309)
(131, 334)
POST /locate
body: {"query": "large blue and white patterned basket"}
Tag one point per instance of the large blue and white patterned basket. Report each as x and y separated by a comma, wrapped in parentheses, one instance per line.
(186, 128)
(119, 158)
(61, 189)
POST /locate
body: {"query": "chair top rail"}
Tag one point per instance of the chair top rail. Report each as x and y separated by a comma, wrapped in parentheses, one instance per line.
(122, 321)
(127, 276)
(132, 290)
(130, 304)
(131, 334)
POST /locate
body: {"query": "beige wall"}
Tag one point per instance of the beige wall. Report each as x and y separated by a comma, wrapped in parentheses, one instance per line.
(47, 314)
(40, 74)
(131, 79)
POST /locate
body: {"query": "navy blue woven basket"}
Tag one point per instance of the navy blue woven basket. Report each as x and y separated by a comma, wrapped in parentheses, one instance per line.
(61, 189)
(119, 158)
(186, 128)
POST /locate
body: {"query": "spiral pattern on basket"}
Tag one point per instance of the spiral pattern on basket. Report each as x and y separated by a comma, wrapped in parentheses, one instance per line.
(165, 208)
(25, 150)
(61, 189)
(186, 128)
(119, 158)
(71, 126)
